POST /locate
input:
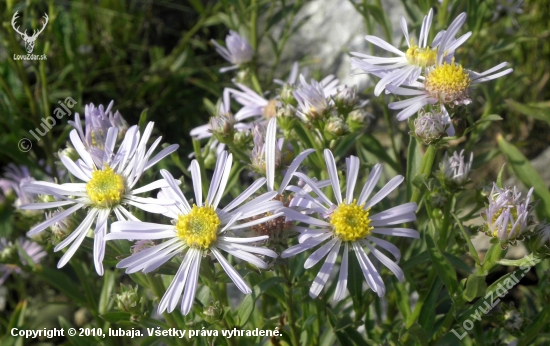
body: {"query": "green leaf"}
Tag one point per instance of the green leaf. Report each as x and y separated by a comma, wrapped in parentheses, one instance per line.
(471, 247)
(143, 120)
(116, 316)
(491, 257)
(539, 110)
(247, 306)
(539, 321)
(60, 280)
(527, 261)
(487, 118)
(417, 333)
(106, 291)
(528, 176)
(475, 287)
(442, 266)
(371, 144)
(499, 177)
(426, 317)
(414, 163)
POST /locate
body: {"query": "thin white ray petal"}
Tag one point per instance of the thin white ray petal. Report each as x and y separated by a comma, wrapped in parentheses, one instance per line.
(324, 273)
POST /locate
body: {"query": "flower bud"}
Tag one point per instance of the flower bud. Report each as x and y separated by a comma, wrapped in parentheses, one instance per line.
(71, 153)
(429, 127)
(213, 313)
(128, 299)
(287, 95)
(335, 127)
(62, 228)
(222, 126)
(358, 119)
(454, 170)
(346, 99)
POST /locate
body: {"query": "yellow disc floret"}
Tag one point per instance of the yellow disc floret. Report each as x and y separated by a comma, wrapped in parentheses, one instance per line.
(106, 188)
(421, 56)
(199, 228)
(351, 222)
(448, 83)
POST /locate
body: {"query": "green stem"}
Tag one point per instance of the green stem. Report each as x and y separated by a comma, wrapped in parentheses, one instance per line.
(443, 240)
(290, 305)
(425, 168)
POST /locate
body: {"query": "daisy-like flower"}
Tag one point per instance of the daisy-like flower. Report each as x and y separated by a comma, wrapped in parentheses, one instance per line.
(106, 188)
(97, 121)
(407, 66)
(507, 215)
(199, 230)
(448, 84)
(238, 51)
(349, 222)
(31, 249)
(455, 169)
(14, 178)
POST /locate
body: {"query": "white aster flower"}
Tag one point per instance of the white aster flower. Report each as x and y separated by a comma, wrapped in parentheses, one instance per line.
(407, 66)
(448, 84)
(455, 170)
(348, 222)
(105, 188)
(14, 178)
(97, 121)
(199, 230)
(32, 250)
(507, 215)
(238, 51)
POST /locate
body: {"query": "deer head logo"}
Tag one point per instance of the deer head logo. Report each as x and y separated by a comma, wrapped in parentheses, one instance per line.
(29, 40)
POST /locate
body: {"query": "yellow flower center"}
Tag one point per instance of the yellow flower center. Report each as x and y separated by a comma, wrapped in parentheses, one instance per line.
(513, 212)
(199, 228)
(351, 222)
(106, 188)
(448, 82)
(421, 56)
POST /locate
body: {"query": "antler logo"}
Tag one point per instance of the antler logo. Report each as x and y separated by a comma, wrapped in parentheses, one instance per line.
(29, 40)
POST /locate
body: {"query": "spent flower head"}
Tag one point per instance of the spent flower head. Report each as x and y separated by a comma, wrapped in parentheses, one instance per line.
(507, 215)
(432, 126)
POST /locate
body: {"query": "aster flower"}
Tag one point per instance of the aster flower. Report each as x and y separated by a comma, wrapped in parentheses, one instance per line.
(348, 222)
(106, 188)
(407, 66)
(14, 178)
(31, 249)
(199, 230)
(455, 170)
(448, 84)
(507, 215)
(238, 51)
(97, 121)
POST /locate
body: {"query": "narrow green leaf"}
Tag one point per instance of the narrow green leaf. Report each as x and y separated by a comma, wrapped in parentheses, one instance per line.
(539, 110)
(417, 333)
(247, 306)
(499, 177)
(539, 321)
(528, 176)
(371, 144)
(116, 316)
(475, 287)
(487, 118)
(62, 282)
(471, 247)
(442, 266)
(106, 291)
